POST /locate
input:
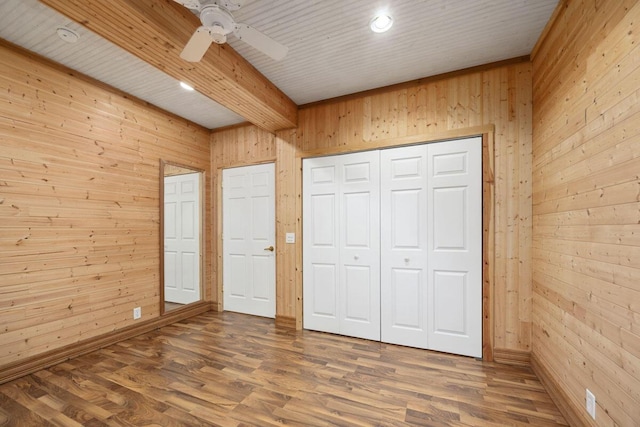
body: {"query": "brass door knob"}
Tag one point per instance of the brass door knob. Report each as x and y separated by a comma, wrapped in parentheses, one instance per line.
(270, 248)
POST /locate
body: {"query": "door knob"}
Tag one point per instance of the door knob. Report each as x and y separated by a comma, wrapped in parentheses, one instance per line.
(270, 248)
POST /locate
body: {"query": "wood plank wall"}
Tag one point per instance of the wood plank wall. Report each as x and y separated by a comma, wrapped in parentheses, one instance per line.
(494, 98)
(586, 209)
(79, 204)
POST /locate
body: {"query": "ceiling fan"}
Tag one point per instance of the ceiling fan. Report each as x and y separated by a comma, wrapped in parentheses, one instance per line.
(217, 23)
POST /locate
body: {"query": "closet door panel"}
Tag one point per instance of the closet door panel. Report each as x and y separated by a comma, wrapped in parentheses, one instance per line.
(321, 260)
(455, 246)
(360, 245)
(403, 246)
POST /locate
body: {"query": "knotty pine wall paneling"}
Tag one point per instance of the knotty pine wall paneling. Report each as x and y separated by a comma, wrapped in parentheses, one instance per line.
(79, 204)
(586, 210)
(494, 99)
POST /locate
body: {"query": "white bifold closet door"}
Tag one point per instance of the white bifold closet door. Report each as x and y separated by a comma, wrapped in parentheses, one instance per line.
(341, 275)
(418, 212)
(431, 246)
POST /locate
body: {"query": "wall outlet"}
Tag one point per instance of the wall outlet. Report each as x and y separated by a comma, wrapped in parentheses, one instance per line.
(591, 404)
(137, 313)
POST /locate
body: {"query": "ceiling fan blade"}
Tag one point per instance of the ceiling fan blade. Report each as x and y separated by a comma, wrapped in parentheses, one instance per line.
(190, 4)
(197, 45)
(260, 41)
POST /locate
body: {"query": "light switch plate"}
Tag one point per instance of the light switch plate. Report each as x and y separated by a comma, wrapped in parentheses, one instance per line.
(591, 404)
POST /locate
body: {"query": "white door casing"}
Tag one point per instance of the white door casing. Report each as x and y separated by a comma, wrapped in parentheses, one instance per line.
(182, 238)
(248, 205)
(341, 272)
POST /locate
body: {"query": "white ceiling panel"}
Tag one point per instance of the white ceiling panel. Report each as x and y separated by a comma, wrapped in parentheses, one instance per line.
(333, 52)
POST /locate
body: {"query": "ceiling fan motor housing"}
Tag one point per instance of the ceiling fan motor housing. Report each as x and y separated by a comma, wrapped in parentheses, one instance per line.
(218, 21)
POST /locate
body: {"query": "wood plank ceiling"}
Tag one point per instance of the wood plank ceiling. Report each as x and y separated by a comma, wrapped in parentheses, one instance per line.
(156, 31)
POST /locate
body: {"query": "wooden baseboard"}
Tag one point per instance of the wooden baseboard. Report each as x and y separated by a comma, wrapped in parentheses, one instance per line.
(557, 393)
(30, 365)
(509, 356)
(286, 322)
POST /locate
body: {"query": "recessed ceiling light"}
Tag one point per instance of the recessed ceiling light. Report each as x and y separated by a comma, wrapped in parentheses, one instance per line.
(185, 86)
(381, 23)
(67, 34)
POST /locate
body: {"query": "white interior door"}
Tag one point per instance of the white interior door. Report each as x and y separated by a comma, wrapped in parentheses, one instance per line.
(359, 226)
(341, 270)
(248, 239)
(321, 244)
(403, 253)
(431, 252)
(455, 246)
(182, 238)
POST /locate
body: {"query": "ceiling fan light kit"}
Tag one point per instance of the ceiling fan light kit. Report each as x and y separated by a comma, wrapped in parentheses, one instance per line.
(217, 23)
(218, 34)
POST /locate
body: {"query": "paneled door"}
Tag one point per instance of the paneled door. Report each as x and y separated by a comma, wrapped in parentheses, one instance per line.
(431, 250)
(424, 258)
(182, 238)
(454, 245)
(341, 266)
(403, 249)
(248, 239)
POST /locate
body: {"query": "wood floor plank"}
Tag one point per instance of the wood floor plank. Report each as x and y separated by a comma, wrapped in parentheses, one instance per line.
(231, 370)
(13, 413)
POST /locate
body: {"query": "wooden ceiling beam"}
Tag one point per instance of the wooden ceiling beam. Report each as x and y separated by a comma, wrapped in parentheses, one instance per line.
(157, 30)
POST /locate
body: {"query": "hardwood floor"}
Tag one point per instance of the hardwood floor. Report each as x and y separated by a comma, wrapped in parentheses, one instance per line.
(228, 369)
(168, 306)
